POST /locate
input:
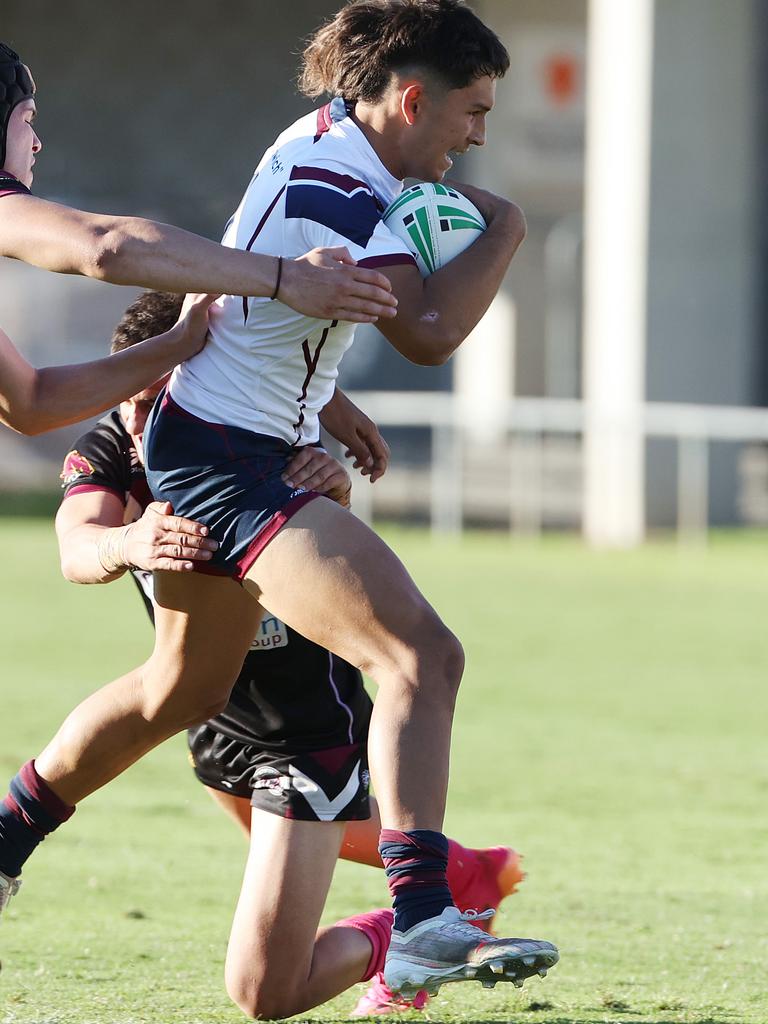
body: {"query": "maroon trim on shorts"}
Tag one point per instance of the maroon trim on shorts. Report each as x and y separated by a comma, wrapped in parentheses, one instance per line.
(172, 408)
(388, 261)
(268, 532)
(94, 489)
(210, 570)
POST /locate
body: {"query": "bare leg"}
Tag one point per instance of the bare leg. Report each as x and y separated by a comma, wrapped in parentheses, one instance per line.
(361, 838)
(204, 626)
(277, 963)
(357, 599)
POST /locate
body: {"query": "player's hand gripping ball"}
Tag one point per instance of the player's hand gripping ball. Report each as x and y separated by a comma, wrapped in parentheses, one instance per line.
(436, 222)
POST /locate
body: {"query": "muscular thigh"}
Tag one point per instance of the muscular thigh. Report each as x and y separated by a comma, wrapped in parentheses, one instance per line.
(332, 579)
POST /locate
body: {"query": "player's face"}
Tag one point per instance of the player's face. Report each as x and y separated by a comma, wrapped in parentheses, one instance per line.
(445, 122)
(135, 412)
(22, 144)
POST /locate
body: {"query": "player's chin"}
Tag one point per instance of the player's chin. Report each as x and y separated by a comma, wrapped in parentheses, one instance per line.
(443, 167)
(437, 173)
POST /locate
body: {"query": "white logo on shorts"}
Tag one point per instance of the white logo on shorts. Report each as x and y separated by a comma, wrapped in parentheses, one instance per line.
(270, 778)
(272, 633)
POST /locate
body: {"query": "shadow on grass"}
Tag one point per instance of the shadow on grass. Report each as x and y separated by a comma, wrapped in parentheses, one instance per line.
(600, 1018)
(532, 1014)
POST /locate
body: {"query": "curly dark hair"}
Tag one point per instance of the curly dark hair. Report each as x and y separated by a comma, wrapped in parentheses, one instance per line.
(355, 53)
(152, 313)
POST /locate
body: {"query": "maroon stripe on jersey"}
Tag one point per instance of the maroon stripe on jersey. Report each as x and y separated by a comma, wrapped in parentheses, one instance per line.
(343, 181)
(265, 535)
(388, 261)
(94, 489)
(311, 363)
(324, 121)
(255, 235)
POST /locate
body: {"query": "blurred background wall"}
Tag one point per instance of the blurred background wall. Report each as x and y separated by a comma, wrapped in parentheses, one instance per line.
(162, 110)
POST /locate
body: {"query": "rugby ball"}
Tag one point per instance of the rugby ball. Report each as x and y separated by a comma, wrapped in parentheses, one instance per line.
(436, 223)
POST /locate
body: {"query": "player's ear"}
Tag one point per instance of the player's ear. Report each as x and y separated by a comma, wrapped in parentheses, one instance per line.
(411, 99)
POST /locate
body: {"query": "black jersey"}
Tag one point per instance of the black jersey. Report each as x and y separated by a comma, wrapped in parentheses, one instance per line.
(291, 694)
(10, 185)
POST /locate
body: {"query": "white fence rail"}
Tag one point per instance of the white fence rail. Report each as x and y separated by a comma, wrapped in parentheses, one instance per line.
(530, 421)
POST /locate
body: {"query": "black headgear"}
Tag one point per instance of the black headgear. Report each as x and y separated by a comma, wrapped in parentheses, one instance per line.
(15, 85)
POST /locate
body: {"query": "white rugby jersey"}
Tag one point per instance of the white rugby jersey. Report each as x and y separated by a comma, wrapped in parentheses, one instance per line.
(267, 368)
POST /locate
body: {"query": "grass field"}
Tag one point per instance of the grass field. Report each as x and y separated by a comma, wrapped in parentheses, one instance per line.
(612, 726)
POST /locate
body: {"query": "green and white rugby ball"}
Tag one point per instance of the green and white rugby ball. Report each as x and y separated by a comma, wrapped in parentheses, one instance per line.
(436, 223)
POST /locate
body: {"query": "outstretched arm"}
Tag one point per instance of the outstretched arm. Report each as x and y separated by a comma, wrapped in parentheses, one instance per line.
(130, 250)
(436, 313)
(33, 401)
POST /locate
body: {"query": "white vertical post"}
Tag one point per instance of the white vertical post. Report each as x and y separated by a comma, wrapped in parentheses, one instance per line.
(692, 489)
(619, 71)
(527, 485)
(447, 483)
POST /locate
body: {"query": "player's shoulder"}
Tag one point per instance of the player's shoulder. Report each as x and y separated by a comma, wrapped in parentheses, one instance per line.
(109, 432)
(104, 446)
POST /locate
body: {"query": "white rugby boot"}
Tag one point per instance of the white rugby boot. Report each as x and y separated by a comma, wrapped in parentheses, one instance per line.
(8, 887)
(449, 948)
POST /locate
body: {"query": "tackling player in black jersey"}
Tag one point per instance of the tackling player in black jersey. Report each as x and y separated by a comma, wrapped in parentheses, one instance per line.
(289, 751)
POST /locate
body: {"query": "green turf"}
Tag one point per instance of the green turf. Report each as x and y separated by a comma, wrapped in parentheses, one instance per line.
(611, 725)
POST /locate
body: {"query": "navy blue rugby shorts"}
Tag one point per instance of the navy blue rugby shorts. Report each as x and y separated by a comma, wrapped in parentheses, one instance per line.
(225, 477)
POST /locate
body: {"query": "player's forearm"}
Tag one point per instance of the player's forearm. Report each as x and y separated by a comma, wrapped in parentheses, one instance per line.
(17, 387)
(128, 250)
(153, 255)
(455, 298)
(67, 394)
(93, 554)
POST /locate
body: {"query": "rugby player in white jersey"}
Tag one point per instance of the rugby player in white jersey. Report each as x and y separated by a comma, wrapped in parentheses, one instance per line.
(415, 80)
(129, 250)
(287, 756)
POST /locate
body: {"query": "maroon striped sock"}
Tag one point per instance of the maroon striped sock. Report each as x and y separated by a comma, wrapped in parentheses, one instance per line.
(29, 813)
(415, 864)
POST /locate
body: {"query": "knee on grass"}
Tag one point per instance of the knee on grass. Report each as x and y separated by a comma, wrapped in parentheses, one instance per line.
(261, 1001)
